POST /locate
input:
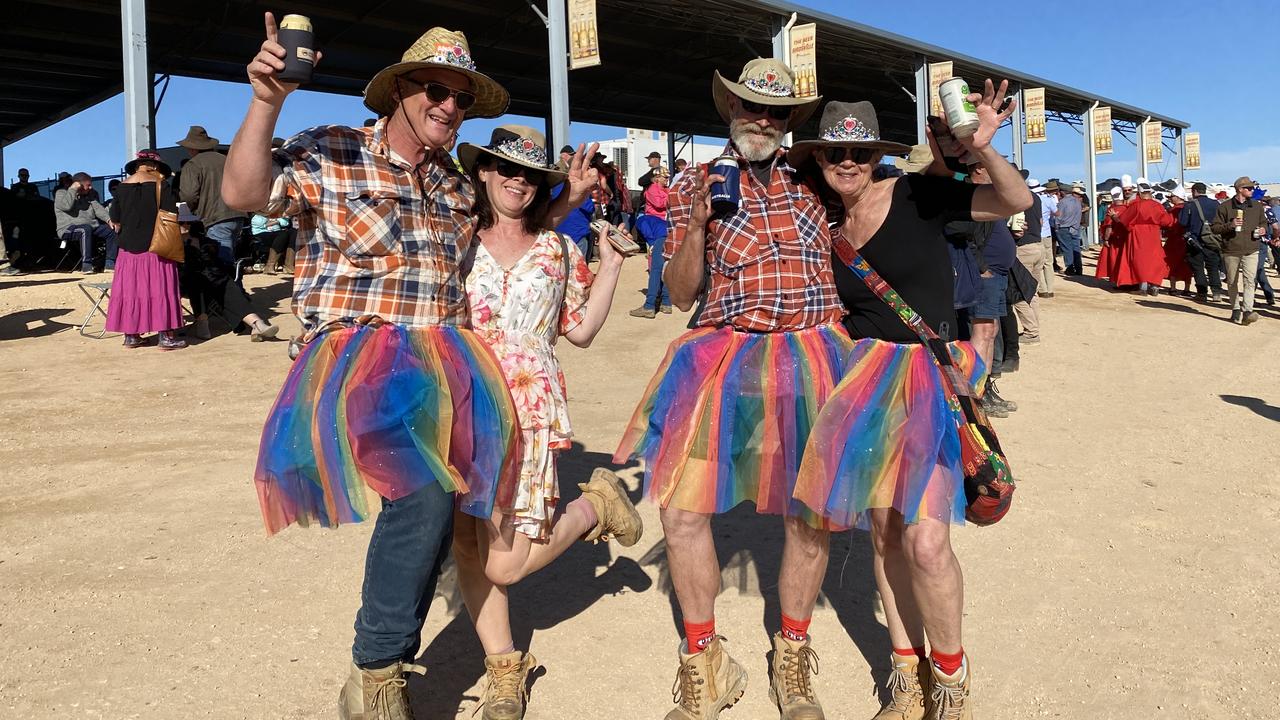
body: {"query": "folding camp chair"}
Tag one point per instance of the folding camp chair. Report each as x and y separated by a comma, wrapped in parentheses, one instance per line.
(98, 293)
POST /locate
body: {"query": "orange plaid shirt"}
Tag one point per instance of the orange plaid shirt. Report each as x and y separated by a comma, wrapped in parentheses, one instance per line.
(770, 263)
(374, 237)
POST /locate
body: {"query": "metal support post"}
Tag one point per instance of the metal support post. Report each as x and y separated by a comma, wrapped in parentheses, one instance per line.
(3, 177)
(782, 51)
(671, 152)
(138, 120)
(1142, 148)
(1091, 174)
(558, 49)
(922, 99)
(1182, 157)
(1017, 119)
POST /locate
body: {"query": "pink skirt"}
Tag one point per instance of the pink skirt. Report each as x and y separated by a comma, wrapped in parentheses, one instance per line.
(144, 295)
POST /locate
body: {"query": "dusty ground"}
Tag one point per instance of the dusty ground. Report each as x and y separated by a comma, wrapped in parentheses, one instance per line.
(1134, 578)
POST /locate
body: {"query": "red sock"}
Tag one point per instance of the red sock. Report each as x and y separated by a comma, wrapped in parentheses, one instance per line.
(948, 663)
(795, 630)
(917, 651)
(699, 635)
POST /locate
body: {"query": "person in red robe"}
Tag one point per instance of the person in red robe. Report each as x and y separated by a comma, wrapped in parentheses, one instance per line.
(1141, 260)
(1113, 236)
(1175, 248)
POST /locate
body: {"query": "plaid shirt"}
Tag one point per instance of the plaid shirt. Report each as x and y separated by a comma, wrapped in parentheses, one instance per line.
(770, 263)
(375, 239)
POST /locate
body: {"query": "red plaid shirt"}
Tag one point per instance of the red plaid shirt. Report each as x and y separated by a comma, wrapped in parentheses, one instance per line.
(770, 262)
(374, 238)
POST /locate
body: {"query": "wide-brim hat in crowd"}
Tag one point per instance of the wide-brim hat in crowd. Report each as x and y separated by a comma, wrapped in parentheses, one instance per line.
(437, 48)
(1052, 186)
(198, 139)
(1034, 185)
(767, 81)
(150, 156)
(919, 158)
(1244, 181)
(847, 125)
(514, 143)
(1078, 188)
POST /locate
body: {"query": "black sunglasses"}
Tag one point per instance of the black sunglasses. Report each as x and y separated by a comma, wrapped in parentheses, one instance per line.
(438, 93)
(777, 112)
(508, 169)
(836, 154)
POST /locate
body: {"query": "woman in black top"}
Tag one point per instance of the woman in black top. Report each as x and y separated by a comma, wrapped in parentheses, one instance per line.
(884, 453)
(144, 292)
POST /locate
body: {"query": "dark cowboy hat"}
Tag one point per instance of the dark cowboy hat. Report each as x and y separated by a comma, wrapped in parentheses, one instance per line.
(198, 139)
(438, 48)
(847, 125)
(150, 156)
(514, 143)
(766, 81)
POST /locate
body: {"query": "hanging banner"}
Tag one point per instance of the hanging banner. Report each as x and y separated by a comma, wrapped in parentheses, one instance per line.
(1102, 130)
(1192, 160)
(1033, 98)
(804, 59)
(584, 48)
(1152, 140)
(938, 74)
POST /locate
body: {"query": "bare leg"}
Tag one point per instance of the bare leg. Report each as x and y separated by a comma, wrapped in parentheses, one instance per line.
(893, 579)
(804, 565)
(936, 580)
(983, 338)
(691, 556)
(486, 602)
(513, 556)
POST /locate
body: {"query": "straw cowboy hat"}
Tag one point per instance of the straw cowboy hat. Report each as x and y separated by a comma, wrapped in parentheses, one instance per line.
(198, 139)
(920, 157)
(766, 81)
(847, 125)
(437, 48)
(514, 143)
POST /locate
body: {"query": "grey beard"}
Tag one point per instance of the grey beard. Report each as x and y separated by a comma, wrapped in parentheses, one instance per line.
(754, 147)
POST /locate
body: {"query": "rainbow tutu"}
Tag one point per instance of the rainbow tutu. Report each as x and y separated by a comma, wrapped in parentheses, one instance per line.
(887, 438)
(391, 409)
(727, 415)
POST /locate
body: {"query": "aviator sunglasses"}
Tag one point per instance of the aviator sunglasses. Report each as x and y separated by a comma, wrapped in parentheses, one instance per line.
(777, 112)
(508, 169)
(837, 154)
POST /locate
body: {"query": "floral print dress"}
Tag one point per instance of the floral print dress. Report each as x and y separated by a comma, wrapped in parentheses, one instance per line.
(514, 310)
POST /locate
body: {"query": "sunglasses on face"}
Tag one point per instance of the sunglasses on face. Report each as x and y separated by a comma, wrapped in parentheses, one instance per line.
(438, 93)
(777, 112)
(836, 155)
(508, 169)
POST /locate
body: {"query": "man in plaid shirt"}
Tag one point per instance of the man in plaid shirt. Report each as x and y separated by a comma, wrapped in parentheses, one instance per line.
(384, 221)
(726, 417)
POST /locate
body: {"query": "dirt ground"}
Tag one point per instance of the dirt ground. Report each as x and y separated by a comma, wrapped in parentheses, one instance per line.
(1135, 576)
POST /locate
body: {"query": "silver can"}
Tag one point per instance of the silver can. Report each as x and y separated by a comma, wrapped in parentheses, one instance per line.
(962, 115)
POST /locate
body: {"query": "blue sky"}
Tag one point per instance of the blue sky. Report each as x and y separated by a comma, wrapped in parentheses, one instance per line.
(1147, 57)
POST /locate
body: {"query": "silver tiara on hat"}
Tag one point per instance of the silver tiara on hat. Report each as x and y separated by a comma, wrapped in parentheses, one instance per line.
(524, 149)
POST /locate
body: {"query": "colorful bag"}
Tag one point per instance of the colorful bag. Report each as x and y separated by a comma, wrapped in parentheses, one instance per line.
(988, 482)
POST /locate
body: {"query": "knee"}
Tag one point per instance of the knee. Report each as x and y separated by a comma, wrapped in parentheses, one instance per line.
(928, 548)
(680, 525)
(810, 543)
(886, 533)
(502, 576)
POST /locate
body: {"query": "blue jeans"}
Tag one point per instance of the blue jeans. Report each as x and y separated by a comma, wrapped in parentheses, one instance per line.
(226, 234)
(654, 231)
(84, 235)
(1263, 281)
(410, 542)
(1069, 241)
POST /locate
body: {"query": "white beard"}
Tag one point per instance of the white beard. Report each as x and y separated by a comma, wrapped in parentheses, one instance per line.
(755, 146)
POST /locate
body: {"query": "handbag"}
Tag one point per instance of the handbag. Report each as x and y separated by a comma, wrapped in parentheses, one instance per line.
(166, 239)
(988, 482)
(1208, 238)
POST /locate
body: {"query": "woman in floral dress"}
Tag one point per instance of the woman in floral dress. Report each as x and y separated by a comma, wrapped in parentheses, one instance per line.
(526, 286)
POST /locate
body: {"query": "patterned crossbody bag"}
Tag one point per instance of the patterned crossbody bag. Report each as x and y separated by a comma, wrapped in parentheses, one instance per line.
(988, 482)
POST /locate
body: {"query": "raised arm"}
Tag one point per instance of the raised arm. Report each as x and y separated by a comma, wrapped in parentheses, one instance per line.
(1007, 194)
(246, 179)
(688, 212)
(582, 177)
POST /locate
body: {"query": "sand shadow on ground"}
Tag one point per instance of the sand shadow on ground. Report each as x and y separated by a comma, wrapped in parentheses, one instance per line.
(32, 283)
(749, 550)
(558, 592)
(1160, 305)
(1088, 281)
(1259, 406)
(17, 326)
(265, 298)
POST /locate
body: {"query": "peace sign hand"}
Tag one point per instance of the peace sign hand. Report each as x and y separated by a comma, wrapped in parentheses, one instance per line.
(583, 178)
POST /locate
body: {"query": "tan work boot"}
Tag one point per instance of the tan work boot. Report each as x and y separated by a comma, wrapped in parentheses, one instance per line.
(377, 694)
(273, 259)
(288, 261)
(616, 515)
(908, 684)
(706, 683)
(507, 687)
(790, 688)
(949, 699)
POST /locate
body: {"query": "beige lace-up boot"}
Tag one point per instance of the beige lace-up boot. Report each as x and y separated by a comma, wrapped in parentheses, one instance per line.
(616, 515)
(507, 685)
(377, 694)
(707, 683)
(790, 687)
(949, 699)
(908, 684)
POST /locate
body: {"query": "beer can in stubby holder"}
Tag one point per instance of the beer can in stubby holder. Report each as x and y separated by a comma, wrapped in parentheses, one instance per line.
(299, 49)
(962, 115)
(725, 195)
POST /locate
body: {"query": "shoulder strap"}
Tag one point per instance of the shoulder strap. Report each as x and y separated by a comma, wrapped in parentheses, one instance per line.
(1200, 212)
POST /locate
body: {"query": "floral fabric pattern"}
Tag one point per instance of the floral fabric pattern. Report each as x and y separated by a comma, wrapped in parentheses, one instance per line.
(514, 310)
